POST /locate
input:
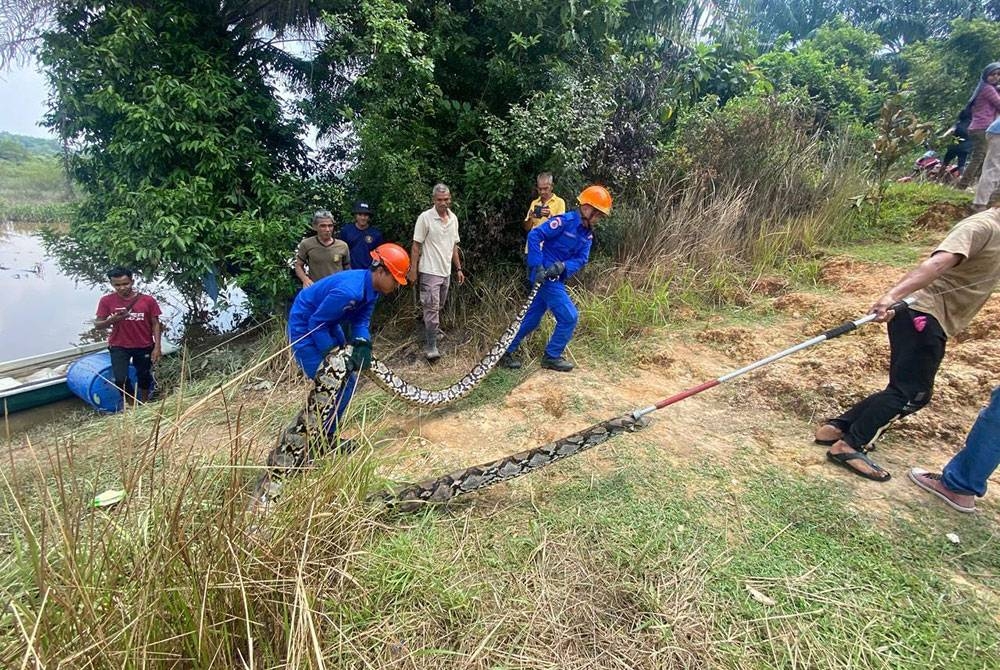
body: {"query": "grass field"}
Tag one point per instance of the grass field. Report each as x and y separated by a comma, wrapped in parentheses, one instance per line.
(657, 551)
(35, 190)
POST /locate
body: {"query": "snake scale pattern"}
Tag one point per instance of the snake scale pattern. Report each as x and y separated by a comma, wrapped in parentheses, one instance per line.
(305, 438)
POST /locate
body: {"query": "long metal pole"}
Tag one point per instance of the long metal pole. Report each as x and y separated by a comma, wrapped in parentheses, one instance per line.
(843, 328)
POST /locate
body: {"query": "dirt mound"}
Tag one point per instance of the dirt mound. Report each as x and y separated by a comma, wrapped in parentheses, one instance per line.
(770, 286)
(941, 216)
(737, 342)
(985, 326)
(797, 304)
(856, 277)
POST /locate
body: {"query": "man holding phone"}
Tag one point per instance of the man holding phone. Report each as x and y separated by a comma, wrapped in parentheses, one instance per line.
(134, 319)
(545, 206)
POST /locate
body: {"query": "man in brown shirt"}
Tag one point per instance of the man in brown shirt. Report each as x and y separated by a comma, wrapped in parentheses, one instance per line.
(950, 287)
(322, 254)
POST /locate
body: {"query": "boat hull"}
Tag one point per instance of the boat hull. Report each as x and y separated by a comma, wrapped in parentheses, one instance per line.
(36, 397)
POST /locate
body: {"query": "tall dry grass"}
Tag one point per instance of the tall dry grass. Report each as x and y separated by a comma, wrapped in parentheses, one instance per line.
(760, 186)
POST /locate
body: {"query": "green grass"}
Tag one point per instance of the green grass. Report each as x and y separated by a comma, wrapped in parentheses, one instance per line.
(35, 190)
(627, 560)
(715, 565)
(903, 255)
(903, 204)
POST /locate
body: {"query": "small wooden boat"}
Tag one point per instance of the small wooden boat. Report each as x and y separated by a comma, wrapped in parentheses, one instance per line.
(39, 380)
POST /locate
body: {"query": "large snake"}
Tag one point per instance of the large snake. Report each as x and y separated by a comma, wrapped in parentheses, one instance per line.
(306, 438)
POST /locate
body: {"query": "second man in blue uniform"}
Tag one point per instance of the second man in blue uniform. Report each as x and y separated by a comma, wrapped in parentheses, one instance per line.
(558, 249)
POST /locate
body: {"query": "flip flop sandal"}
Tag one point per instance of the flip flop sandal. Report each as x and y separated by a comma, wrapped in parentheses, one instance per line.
(828, 443)
(843, 461)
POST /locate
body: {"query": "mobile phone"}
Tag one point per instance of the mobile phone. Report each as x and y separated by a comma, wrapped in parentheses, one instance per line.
(538, 211)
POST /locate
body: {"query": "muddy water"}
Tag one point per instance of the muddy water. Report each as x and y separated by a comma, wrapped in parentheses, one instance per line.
(42, 310)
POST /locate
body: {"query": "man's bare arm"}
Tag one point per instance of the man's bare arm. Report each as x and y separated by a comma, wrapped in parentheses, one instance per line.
(415, 249)
(914, 280)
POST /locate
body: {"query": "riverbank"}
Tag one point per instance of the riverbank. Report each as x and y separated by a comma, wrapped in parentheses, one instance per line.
(717, 537)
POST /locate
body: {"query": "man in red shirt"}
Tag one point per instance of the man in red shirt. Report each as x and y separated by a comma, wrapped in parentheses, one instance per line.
(134, 319)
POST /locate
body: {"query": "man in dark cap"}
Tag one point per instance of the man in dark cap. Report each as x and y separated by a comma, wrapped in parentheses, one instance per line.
(361, 237)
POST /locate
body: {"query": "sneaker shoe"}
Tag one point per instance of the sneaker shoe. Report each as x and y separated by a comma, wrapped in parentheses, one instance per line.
(508, 361)
(431, 352)
(558, 364)
(978, 208)
(931, 482)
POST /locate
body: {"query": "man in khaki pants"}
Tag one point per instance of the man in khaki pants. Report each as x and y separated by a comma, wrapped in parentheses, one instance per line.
(434, 252)
(989, 179)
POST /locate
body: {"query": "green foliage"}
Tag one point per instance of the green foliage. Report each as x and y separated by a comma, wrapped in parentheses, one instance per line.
(21, 146)
(834, 67)
(899, 131)
(754, 139)
(943, 73)
(35, 183)
(11, 151)
(901, 206)
(181, 147)
(796, 19)
(905, 22)
(482, 100)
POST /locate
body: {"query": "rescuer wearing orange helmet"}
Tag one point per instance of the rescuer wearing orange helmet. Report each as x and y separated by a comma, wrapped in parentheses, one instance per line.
(315, 323)
(557, 249)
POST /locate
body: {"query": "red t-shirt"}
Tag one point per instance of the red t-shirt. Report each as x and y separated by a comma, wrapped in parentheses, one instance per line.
(136, 330)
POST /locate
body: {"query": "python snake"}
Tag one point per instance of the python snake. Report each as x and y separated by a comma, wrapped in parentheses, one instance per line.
(306, 437)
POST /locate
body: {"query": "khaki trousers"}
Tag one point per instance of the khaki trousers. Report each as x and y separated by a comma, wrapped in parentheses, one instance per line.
(433, 293)
(990, 177)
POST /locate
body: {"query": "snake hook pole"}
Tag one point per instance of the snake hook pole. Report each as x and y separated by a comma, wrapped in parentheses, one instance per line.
(843, 328)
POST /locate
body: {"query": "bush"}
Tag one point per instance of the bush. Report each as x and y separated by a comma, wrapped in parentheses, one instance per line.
(748, 183)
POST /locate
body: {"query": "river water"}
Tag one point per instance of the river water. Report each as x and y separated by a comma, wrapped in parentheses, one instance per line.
(42, 310)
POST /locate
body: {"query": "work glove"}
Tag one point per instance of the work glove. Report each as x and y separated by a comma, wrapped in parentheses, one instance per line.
(555, 270)
(361, 354)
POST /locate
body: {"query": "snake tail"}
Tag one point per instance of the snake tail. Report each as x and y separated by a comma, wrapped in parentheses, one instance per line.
(504, 469)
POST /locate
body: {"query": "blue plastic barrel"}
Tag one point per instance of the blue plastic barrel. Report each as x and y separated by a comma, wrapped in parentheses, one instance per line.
(91, 379)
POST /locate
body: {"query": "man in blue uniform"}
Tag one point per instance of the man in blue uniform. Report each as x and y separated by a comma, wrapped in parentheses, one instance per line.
(558, 249)
(315, 328)
(361, 236)
(315, 323)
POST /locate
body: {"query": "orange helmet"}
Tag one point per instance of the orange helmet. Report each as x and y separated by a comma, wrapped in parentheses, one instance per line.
(394, 258)
(597, 197)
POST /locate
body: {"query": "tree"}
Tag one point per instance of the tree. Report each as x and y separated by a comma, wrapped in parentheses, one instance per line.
(943, 73)
(483, 95)
(903, 22)
(834, 66)
(796, 19)
(186, 160)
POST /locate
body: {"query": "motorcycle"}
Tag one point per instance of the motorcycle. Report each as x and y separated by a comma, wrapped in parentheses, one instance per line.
(929, 167)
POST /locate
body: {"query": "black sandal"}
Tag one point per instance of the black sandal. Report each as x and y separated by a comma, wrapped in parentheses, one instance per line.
(843, 461)
(828, 443)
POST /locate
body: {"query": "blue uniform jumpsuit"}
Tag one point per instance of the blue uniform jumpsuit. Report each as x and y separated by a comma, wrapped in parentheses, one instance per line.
(316, 319)
(561, 238)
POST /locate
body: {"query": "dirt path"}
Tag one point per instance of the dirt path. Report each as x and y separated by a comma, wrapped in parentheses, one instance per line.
(772, 411)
